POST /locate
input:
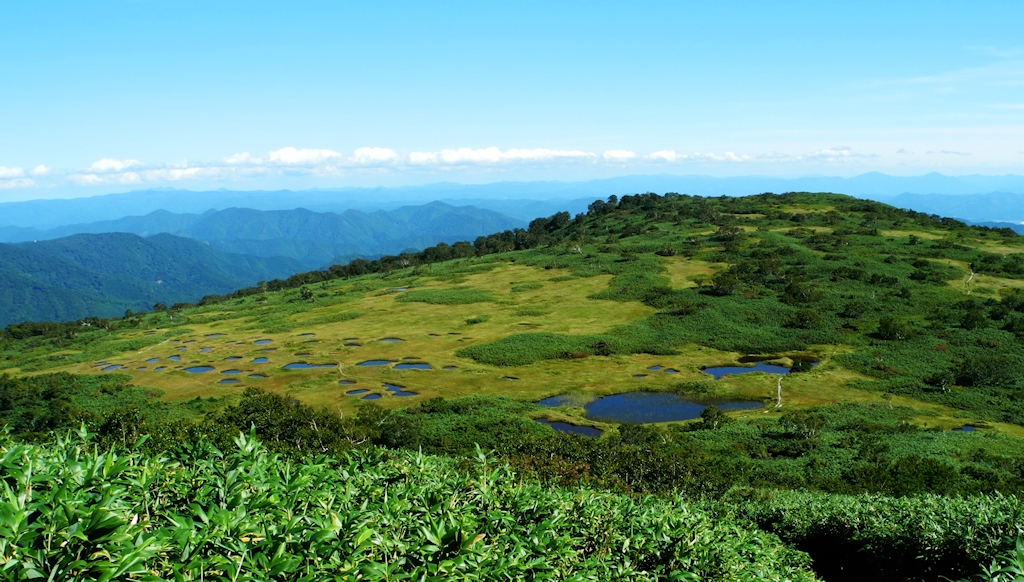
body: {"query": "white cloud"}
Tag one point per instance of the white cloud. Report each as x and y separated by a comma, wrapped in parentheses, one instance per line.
(39, 170)
(111, 165)
(295, 157)
(16, 183)
(11, 172)
(369, 156)
(618, 156)
(494, 156)
(86, 179)
(179, 174)
(666, 156)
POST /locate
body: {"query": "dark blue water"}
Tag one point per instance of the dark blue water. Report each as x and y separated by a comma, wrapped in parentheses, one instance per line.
(259, 361)
(256, 376)
(412, 367)
(671, 371)
(376, 363)
(371, 397)
(758, 367)
(571, 428)
(965, 428)
(644, 407)
(151, 360)
(229, 381)
(398, 390)
(232, 358)
(654, 368)
(354, 392)
(304, 365)
(199, 369)
(307, 335)
(113, 367)
(391, 339)
(509, 378)
(231, 372)
(160, 368)
(640, 375)
(262, 341)
(346, 382)
(175, 358)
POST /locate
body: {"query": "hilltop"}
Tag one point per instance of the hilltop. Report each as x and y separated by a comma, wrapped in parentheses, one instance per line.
(894, 326)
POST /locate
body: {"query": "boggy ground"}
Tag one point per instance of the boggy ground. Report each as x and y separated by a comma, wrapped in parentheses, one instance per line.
(524, 298)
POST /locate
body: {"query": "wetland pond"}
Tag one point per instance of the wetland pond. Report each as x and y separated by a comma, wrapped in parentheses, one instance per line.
(571, 428)
(643, 407)
(799, 362)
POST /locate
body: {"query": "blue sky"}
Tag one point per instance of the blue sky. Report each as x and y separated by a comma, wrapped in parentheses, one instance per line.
(108, 96)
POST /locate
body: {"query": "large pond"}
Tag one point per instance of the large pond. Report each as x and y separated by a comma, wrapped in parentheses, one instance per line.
(644, 407)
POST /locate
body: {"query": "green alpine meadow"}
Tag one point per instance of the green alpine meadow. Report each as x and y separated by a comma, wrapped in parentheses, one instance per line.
(791, 387)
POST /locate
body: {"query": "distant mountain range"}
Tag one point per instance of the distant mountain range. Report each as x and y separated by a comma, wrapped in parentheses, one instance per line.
(521, 200)
(312, 238)
(106, 274)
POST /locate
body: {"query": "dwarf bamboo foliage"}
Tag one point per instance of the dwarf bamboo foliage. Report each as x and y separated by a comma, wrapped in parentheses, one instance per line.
(71, 512)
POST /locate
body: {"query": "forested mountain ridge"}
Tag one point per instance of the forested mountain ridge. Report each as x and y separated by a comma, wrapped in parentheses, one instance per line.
(105, 274)
(915, 324)
(313, 238)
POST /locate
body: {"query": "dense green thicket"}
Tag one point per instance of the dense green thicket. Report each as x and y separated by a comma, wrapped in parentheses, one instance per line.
(244, 514)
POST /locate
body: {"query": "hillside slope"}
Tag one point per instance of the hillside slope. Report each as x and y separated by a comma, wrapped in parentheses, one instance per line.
(105, 274)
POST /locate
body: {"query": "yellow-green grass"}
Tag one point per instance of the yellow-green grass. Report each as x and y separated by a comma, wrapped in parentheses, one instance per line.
(433, 333)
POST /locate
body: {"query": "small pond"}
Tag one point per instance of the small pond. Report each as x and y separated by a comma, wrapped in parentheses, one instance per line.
(304, 365)
(204, 350)
(232, 358)
(639, 375)
(256, 376)
(262, 341)
(509, 378)
(113, 367)
(151, 360)
(141, 368)
(412, 367)
(391, 339)
(307, 335)
(229, 381)
(720, 371)
(199, 369)
(259, 361)
(303, 355)
(175, 358)
(371, 397)
(160, 368)
(570, 428)
(346, 382)
(376, 363)
(231, 372)
(354, 392)
(966, 428)
(398, 390)
(643, 407)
